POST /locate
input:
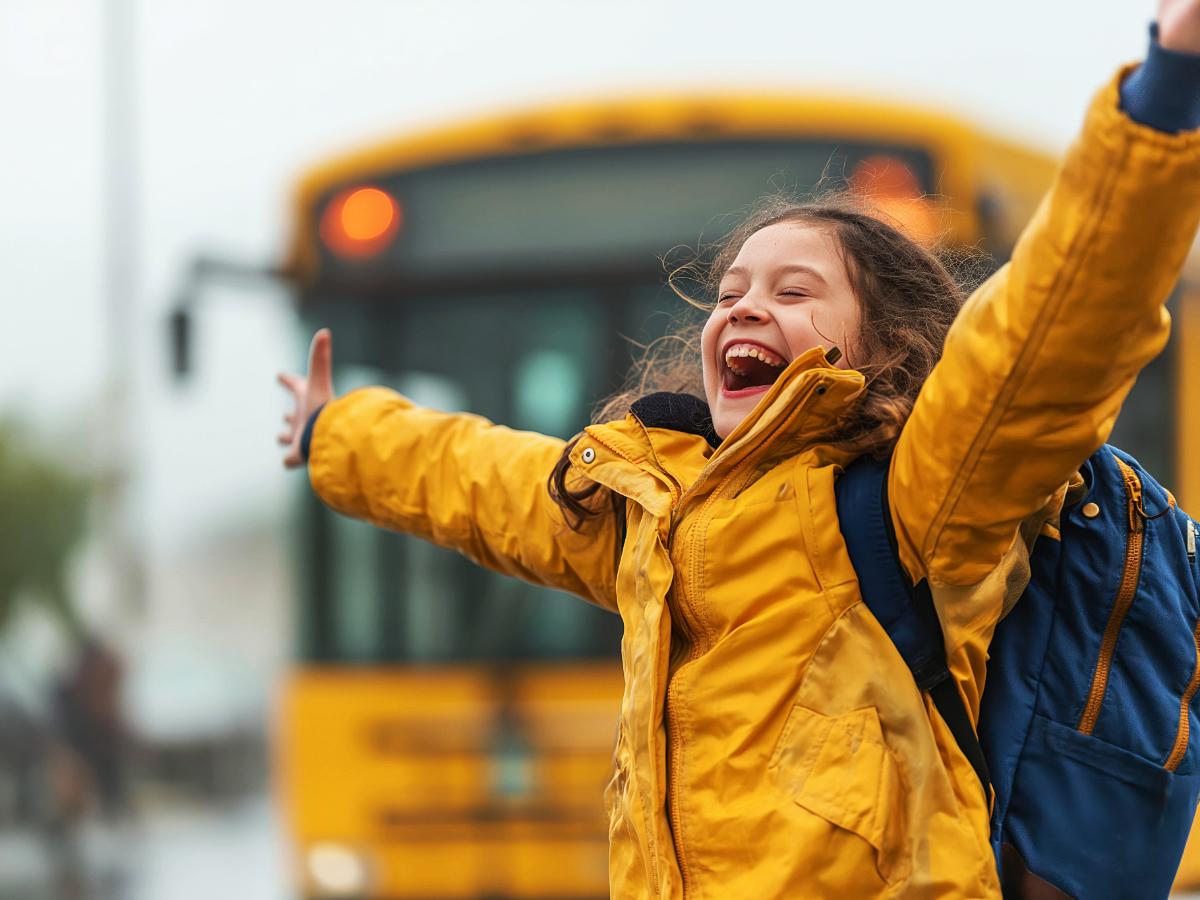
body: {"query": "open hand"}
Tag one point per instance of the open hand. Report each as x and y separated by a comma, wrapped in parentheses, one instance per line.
(1179, 25)
(310, 392)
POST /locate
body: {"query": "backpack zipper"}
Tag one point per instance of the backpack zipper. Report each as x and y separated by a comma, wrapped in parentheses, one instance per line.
(1123, 601)
(1181, 736)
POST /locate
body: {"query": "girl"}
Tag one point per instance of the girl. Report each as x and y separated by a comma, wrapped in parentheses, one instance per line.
(772, 743)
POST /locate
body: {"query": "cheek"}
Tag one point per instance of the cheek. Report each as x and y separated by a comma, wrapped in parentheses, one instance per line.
(802, 330)
(708, 345)
(824, 326)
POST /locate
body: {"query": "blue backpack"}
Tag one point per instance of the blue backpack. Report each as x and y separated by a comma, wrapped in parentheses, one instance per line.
(1088, 704)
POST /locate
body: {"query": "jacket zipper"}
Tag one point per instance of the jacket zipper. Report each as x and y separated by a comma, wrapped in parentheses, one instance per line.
(676, 750)
(681, 608)
(1124, 600)
(676, 745)
(651, 838)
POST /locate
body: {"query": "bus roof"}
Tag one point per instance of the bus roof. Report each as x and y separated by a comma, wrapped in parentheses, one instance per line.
(656, 118)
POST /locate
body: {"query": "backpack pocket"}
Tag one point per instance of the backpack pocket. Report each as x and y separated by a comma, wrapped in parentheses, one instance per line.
(1062, 776)
(840, 769)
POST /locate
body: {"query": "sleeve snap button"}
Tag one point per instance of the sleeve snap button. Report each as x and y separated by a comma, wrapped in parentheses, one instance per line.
(588, 454)
(1091, 510)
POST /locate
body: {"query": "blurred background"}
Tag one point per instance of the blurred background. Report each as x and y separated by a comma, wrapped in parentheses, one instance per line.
(209, 686)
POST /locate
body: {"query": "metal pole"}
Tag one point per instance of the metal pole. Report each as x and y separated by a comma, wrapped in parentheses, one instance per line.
(121, 290)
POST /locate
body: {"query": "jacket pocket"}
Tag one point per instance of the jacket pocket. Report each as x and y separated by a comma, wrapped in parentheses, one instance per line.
(840, 769)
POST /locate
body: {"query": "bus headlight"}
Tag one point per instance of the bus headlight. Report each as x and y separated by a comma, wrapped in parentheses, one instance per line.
(336, 870)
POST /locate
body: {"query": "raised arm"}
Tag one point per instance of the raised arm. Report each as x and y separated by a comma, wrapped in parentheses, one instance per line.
(1041, 357)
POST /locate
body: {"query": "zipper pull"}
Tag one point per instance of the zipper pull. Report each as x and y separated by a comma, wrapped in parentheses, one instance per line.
(1191, 540)
(1137, 515)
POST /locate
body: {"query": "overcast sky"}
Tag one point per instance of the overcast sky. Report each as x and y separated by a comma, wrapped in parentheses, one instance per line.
(233, 98)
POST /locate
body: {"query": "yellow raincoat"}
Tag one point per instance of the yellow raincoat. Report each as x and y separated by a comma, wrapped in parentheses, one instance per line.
(772, 742)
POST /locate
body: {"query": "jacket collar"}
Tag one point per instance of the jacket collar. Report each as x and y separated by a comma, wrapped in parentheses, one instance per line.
(807, 399)
(691, 415)
(670, 437)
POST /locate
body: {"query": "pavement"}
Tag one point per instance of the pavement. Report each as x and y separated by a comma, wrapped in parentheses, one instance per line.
(173, 851)
(170, 852)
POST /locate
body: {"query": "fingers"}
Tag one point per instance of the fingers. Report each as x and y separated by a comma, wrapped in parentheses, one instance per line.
(1179, 25)
(310, 391)
(320, 365)
(293, 383)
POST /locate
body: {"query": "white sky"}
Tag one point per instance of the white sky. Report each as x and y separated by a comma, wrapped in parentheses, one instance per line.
(233, 98)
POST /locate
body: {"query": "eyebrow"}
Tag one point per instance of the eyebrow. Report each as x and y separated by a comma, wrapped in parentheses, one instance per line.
(794, 269)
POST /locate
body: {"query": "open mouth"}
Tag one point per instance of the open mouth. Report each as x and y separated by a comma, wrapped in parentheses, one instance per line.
(750, 367)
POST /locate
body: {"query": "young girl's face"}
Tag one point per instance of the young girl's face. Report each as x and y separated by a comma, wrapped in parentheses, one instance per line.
(786, 292)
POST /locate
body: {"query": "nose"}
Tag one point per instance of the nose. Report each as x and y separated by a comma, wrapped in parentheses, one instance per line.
(747, 309)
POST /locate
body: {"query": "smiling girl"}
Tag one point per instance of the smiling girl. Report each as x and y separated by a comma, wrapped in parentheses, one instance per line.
(771, 741)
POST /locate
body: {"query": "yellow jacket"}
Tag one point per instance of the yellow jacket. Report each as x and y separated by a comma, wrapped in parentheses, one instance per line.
(772, 742)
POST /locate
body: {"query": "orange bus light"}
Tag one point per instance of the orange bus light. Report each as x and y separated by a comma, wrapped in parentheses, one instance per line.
(360, 222)
(891, 192)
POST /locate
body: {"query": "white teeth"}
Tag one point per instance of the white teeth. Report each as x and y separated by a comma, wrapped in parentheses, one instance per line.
(744, 350)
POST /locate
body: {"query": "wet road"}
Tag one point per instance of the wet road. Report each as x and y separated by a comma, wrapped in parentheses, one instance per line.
(171, 853)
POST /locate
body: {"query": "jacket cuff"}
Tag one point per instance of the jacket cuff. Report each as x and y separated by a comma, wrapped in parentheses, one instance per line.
(306, 437)
(1164, 92)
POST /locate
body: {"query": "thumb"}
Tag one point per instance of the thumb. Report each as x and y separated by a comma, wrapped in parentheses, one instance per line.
(320, 367)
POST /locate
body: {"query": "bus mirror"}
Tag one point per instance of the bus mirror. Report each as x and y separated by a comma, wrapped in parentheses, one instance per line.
(181, 343)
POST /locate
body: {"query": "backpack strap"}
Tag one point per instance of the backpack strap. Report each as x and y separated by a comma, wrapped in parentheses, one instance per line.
(905, 611)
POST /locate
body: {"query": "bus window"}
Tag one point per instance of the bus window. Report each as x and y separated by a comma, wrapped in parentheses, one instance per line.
(430, 390)
(554, 373)
(1147, 425)
(656, 310)
(547, 392)
(355, 547)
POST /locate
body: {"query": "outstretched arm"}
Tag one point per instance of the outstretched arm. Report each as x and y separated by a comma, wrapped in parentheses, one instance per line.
(461, 482)
(456, 480)
(1040, 359)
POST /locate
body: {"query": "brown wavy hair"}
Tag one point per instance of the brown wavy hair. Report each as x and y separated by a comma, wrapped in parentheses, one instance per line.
(908, 298)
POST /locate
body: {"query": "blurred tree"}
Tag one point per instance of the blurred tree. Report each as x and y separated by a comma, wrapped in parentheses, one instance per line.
(43, 510)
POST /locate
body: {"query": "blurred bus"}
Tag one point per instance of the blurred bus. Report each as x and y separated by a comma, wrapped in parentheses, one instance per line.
(447, 732)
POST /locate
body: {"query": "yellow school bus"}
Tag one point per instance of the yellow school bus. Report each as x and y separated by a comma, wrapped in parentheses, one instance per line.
(446, 732)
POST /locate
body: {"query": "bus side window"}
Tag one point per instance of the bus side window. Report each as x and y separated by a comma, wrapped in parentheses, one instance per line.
(547, 392)
(994, 231)
(1147, 427)
(433, 391)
